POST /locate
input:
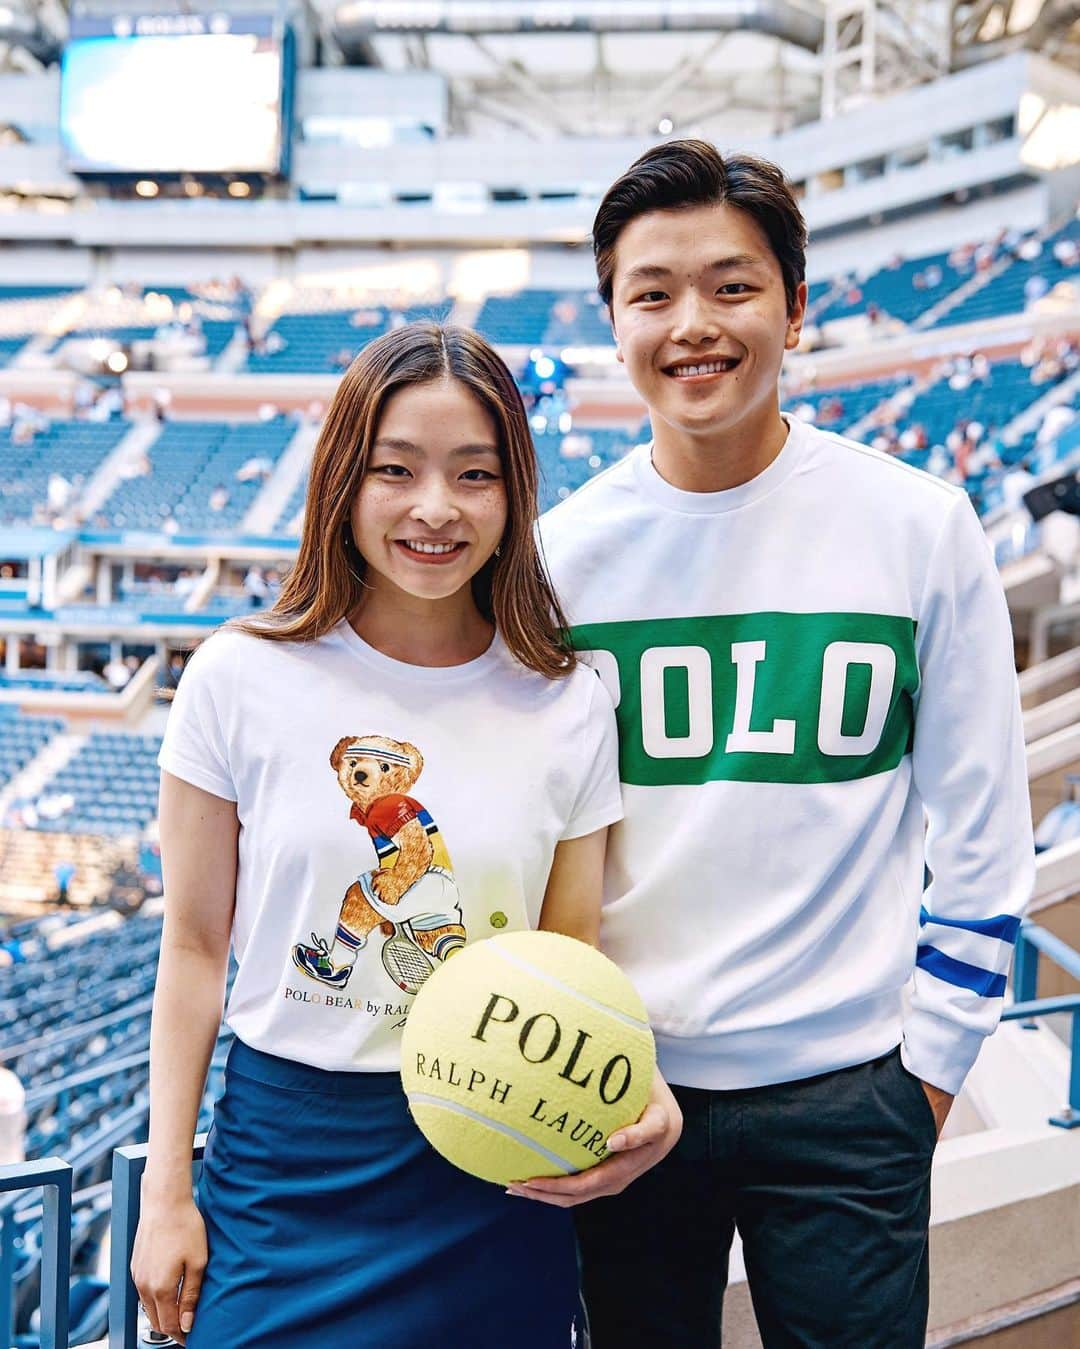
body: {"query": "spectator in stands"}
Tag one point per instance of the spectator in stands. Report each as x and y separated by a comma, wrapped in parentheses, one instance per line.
(57, 493)
(11, 953)
(256, 469)
(1056, 360)
(117, 673)
(63, 874)
(1056, 420)
(26, 423)
(1035, 287)
(938, 462)
(55, 805)
(768, 887)
(984, 257)
(913, 437)
(86, 391)
(416, 638)
(219, 497)
(255, 587)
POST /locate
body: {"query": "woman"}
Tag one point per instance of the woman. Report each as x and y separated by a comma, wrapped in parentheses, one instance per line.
(400, 757)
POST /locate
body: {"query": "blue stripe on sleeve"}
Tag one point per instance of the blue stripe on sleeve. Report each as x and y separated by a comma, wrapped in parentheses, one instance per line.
(959, 972)
(1003, 926)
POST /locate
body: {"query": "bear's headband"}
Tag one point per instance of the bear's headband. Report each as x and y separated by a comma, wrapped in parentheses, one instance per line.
(358, 750)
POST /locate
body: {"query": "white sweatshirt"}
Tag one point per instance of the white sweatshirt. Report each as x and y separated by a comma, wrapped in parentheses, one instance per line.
(815, 688)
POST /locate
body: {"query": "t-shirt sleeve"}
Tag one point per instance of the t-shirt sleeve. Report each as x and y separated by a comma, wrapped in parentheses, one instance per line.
(599, 799)
(195, 747)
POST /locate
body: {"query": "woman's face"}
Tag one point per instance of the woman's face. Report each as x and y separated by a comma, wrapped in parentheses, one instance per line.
(432, 505)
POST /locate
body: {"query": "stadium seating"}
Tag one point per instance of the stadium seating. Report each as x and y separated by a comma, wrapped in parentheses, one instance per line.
(123, 334)
(114, 780)
(292, 507)
(840, 408)
(520, 319)
(568, 461)
(39, 681)
(190, 460)
(1006, 293)
(545, 318)
(73, 449)
(903, 289)
(994, 402)
(9, 347)
(324, 342)
(21, 738)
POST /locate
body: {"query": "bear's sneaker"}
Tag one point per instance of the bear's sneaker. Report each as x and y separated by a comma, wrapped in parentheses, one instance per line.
(315, 963)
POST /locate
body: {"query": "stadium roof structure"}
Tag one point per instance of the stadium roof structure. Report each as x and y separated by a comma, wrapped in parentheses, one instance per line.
(636, 67)
(551, 68)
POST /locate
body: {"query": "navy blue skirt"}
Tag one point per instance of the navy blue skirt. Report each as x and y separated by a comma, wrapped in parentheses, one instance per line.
(332, 1222)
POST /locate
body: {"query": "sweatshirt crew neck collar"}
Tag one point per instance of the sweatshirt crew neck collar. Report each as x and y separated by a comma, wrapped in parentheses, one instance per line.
(732, 498)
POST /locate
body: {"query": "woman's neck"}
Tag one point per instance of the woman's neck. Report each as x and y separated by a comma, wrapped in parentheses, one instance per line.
(434, 633)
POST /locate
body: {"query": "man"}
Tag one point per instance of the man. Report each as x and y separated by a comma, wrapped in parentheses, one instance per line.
(811, 655)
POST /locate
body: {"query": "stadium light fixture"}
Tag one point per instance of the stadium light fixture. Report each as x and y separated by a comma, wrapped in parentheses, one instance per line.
(117, 362)
(665, 126)
(239, 189)
(146, 187)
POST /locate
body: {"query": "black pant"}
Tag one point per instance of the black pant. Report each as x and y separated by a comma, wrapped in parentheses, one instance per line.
(827, 1180)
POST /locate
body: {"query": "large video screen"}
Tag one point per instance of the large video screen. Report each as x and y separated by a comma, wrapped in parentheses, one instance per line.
(175, 94)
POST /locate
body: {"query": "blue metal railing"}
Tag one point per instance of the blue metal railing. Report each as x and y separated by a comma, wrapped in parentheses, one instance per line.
(1032, 942)
(54, 1176)
(128, 1166)
(56, 1252)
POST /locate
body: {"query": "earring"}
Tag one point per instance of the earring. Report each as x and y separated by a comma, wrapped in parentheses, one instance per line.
(498, 550)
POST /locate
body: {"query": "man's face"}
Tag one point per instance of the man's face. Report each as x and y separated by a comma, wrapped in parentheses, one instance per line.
(701, 318)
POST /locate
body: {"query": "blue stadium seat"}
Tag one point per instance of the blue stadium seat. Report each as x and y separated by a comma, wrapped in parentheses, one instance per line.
(1005, 294)
(71, 448)
(189, 460)
(317, 343)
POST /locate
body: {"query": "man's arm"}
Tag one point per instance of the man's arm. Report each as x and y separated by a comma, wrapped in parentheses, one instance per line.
(970, 772)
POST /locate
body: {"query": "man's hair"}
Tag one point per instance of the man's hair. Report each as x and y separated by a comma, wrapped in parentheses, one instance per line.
(679, 175)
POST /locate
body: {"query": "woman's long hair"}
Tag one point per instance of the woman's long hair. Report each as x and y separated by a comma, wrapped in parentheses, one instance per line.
(326, 582)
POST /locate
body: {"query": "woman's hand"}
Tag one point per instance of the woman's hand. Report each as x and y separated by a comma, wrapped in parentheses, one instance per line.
(168, 1261)
(634, 1149)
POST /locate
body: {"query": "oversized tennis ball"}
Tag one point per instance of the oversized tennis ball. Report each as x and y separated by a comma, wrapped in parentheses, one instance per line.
(523, 1054)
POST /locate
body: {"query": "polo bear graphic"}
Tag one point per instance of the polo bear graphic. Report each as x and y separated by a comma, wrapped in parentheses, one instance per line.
(411, 896)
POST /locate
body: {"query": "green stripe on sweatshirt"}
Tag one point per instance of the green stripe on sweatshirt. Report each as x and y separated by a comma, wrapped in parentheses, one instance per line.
(768, 697)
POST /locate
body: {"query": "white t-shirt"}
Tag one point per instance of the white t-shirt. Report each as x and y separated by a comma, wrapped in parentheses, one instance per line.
(388, 813)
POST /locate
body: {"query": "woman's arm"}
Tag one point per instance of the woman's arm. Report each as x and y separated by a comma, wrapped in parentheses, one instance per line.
(575, 885)
(572, 906)
(198, 851)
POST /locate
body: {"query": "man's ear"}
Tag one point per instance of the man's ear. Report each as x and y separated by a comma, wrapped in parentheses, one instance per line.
(795, 318)
(615, 335)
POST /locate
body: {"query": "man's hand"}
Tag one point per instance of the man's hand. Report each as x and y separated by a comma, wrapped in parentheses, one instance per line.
(940, 1104)
(633, 1150)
